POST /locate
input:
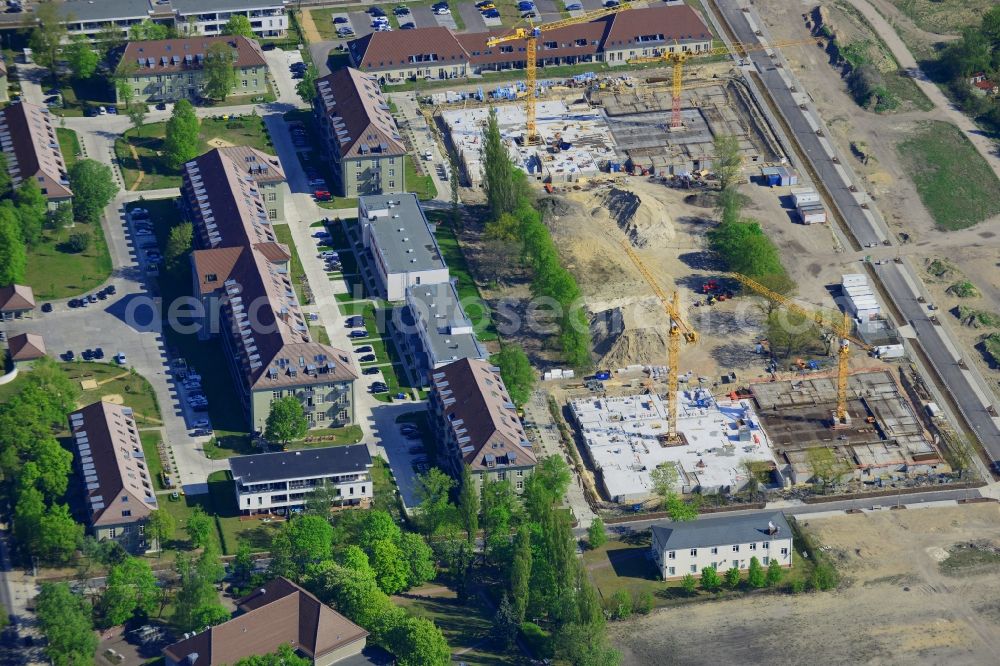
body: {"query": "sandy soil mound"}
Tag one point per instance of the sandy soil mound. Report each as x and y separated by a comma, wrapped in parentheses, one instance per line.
(643, 219)
(630, 333)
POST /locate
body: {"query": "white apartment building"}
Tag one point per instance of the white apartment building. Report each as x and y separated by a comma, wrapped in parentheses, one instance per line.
(724, 543)
(280, 482)
(190, 17)
(396, 232)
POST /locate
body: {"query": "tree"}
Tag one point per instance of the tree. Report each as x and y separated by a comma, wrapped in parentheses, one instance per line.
(547, 484)
(710, 581)
(620, 604)
(93, 188)
(238, 25)
(354, 558)
(664, 479)
(147, 30)
(179, 242)
(376, 526)
(60, 217)
(520, 572)
(286, 421)
(48, 36)
(468, 505)
(13, 255)
(595, 533)
(160, 528)
(506, 622)
(499, 182)
(32, 210)
(499, 507)
(682, 511)
(65, 620)
(130, 590)
(77, 243)
(433, 489)
(420, 558)
(644, 602)
(391, 571)
(318, 502)
(199, 528)
(5, 180)
(791, 333)
(242, 567)
(219, 75)
(417, 642)
(123, 86)
(59, 535)
(109, 39)
(197, 601)
(728, 162)
(756, 576)
(81, 57)
(732, 578)
(52, 464)
(774, 573)
(136, 113)
(28, 514)
(823, 577)
(688, 583)
(284, 656)
(306, 87)
(515, 369)
(181, 143)
(304, 540)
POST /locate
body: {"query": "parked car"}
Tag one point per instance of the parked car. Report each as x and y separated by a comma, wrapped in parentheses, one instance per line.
(491, 13)
(111, 289)
(201, 423)
(92, 298)
(367, 358)
(112, 110)
(161, 106)
(524, 5)
(202, 432)
(364, 349)
(345, 31)
(379, 388)
(87, 354)
(69, 355)
(120, 358)
(375, 10)
(322, 195)
(441, 11)
(407, 26)
(370, 371)
(46, 307)
(574, 7)
(358, 333)
(339, 19)
(401, 10)
(98, 353)
(102, 296)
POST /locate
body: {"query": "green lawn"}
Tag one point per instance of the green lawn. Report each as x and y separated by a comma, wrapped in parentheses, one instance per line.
(420, 184)
(69, 144)
(284, 235)
(386, 494)
(115, 380)
(475, 307)
(154, 464)
(955, 183)
(467, 627)
(321, 437)
(944, 16)
(54, 272)
(148, 144)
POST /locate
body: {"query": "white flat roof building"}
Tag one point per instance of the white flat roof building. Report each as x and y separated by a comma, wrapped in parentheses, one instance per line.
(626, 439)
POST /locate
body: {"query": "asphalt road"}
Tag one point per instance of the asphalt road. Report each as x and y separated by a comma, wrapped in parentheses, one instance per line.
(897, 278)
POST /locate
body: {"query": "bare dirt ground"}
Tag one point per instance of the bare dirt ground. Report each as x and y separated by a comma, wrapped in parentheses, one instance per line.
(897, 604)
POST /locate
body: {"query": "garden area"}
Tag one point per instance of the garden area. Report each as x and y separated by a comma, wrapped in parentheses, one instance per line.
(69, 144)
(140, 151)
(56, 270)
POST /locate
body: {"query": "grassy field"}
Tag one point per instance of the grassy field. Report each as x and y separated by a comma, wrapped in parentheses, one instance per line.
(284, 235)
(468, 293)
(54, 272)
(955, 183)
(148, 144)
(69, 144)
(321, 437)
(135, 390)
(468, 627)
(420, 184)
(944, 16)
(625, 565)
(154, 463)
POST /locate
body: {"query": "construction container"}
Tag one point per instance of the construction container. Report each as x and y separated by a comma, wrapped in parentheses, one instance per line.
(812, 213)
(890, 351)
(804, 195)
(854, 279)
(779, 176)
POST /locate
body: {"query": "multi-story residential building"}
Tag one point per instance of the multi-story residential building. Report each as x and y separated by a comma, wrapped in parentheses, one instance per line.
(198, 17)
(477, 423)
(266, 171)
(172, 69)
(436, 53)
(188, 17)
(360, 135)
(724, 543)
(436, 329)
(241, 274)
(404, 250)
(117, 487)
(281, 482)
(279, 613)
(29, 142)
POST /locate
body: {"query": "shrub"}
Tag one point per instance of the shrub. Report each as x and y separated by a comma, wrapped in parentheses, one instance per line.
(643, 602)
(823, 577)
(539, 641)
(620, 605)
(798, 586)
(78, 242)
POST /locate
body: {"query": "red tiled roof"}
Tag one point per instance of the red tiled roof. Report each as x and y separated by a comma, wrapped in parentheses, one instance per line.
(565, 38)
(279, 613)
(352, 101)
(675, 23)
(391, 50)
(32, 149)
(166, 56)
(16, 297)
(26, 347)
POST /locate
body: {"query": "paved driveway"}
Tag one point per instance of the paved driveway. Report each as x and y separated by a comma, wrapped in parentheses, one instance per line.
(395, 447)
(549, 9)
(279, 61)
(470, 15)
(362, 23)
(423, 16)
(591, 5)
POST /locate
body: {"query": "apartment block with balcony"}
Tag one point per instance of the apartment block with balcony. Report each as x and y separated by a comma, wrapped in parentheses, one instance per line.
(477, 424)
(282, 482)
(268, 18)
(360, 136)
(240, 272)
(29, 142)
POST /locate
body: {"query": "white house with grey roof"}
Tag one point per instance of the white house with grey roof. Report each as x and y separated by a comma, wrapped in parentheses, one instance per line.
(436, 329)
(404, 251)
(190, 17)
(725, 542)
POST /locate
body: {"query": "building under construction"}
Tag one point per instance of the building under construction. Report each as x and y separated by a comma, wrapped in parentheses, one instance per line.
(885, 439)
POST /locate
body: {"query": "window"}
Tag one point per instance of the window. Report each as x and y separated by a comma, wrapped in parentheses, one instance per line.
(392, 172)
(694, 568)
(137, 91)
(127, 529)
(362, 490)
(502, 476)
(392, 183)
(672, 555)
(753, 546)
(112, 533)
(520, 472)
(736, 548)
(767, 545)
(784, 551)
(276, 394)
(126, 513)
(142, 528)
(272, 213)
(244, 83)
(715, 550)
(736, 564)
(272, 196)
(520, 485)
(765, 560)
(694, 552)
(352, 490)
(670, 571)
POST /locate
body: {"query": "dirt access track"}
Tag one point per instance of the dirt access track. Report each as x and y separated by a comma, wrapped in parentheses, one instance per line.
(900, 601)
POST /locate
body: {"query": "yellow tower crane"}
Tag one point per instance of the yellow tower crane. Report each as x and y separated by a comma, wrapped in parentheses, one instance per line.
(835, 322)
(530, 35)
(679, 54)
(678, 329)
